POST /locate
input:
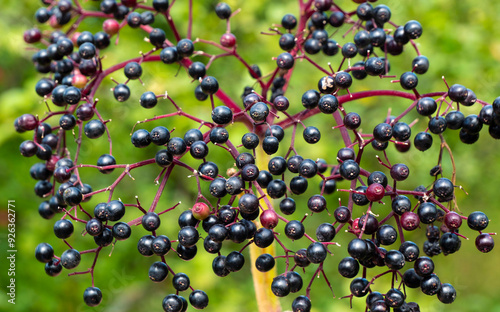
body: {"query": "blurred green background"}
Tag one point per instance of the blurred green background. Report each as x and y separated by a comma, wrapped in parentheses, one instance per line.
(461, 40)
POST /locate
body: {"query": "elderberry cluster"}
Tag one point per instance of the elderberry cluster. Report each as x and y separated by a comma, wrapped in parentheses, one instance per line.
(252, 204)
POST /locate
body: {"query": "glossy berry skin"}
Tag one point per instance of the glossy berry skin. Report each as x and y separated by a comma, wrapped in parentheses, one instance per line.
(70, 259)
(325, 232)
(454, 120)
(422, 141)
(410, 250)
(394, 260)
(401, 204)
(63, 228)
(484, 242)
(301, 304)
(311, 135)
(357, 248)
(349, 169)
(424, 266)
(400, 172)
(180, 281)
(426, 106)
(375, 192)
(222, 115)
(328, 104)
(427, 212)
(223, 10)
(342, 214)
(294, 230)
(294, 281)
(158, 271)
(265, 262)
(94, 129)
(269, 219)
(199, 150)
(287, 206)
(449, 243)
(106, 160)
(408, 81)
(209, 85)
(250, 172)
(53, 267)
(285, 61)
(121, 231)
(141, 138)
(172, 303)
(308, 168)
(457, 93)
(452, 220)
(92, 296)
(317, 203)
(430, 284)
(287, 42)
(413, 29)
(94, 227)
(234, 261)
(280, 286)
(348, 267)
(114, 210)
(310, 99)
(477, 220)
(44, 252)
(382, 132)
(443, 188)
(401, 131)
(276, 188)
(358, 287)
(316, 252)
(150, 221)
(411, 279)
(160, 245)
(144, 245)
(158, 136)
(447, 293)
(386, 234)
(188, 236)
(198, 299)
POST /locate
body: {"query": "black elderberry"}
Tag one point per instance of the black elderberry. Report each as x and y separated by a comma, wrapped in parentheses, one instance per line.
(413, 29)
(285, 60)
(359, 287)
(289, 21)
(422, 141)
(316, 252)
(280, 286)
(349, 50)
(430, 285)
(121, 92)
(92, 296)
(310, 98)
(70, 259)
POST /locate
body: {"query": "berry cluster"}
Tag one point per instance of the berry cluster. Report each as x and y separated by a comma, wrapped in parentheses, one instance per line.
(249, 203)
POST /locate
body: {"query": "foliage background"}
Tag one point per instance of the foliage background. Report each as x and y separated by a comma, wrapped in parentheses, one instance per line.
(462, 41)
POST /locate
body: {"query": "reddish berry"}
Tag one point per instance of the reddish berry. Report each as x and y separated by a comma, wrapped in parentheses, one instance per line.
(32, 35)
(269, 219)
(228, 40)
(79, 81)
(410, 221)
(375, 192)
(452, 220)
(111, 26)
(200, 211)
